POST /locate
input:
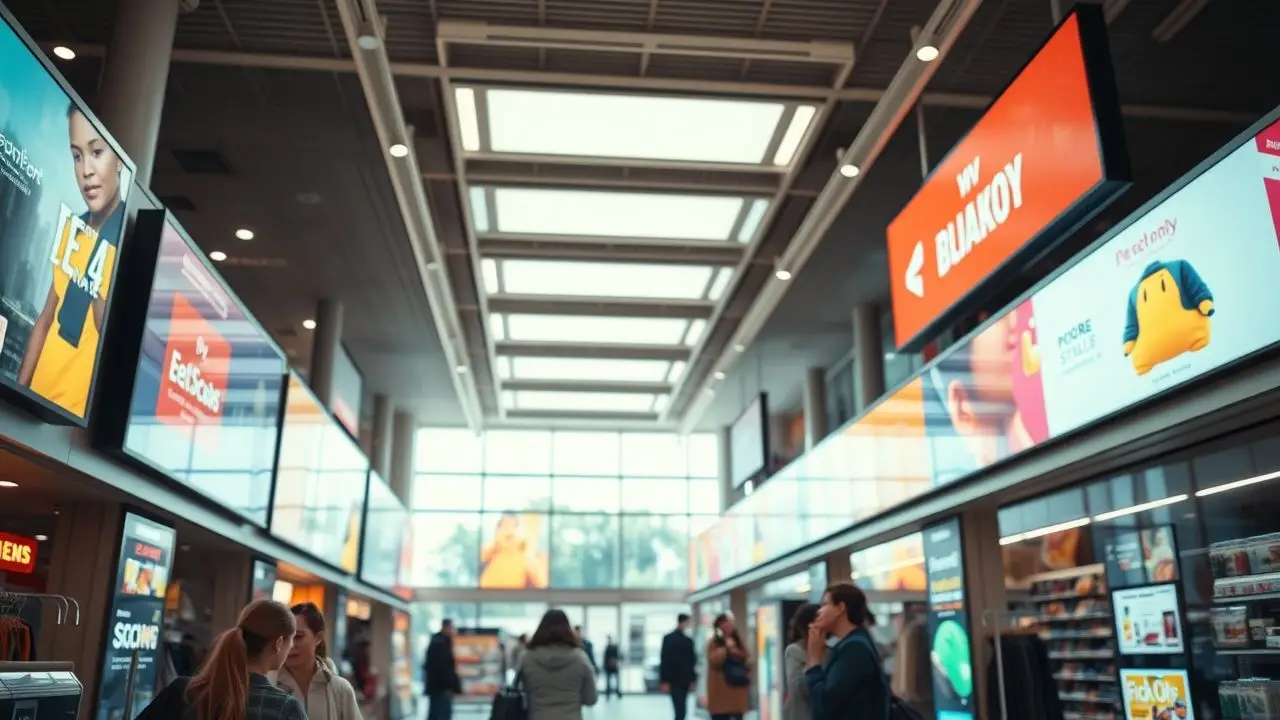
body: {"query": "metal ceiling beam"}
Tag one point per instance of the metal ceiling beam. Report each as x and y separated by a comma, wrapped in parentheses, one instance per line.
(588, 386)
(693, 182)
(579, 305)
(602, 351)
(566, 248)
(609, 418)
(272, 61)
(615, 162)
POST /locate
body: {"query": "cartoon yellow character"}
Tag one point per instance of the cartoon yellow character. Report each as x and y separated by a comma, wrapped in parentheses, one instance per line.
(1168, 314)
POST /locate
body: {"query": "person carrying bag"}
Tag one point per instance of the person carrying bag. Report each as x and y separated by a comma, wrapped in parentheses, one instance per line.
(510, 702)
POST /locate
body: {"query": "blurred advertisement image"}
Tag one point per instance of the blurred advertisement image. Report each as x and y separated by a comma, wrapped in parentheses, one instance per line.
(135, 621)
(950, 653)
(63, 189)
(1156, 695)
(514, 553)
(206, 392)
(384, 542)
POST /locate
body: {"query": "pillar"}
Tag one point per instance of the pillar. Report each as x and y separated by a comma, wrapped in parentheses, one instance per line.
(815, 407)
(382, 439)
(984, 587)
(85, 545)
(404, 441)
(232, 587)
(725, 446)
(381, 627)
(134, 76)
(326, 342)
(839, 569)
(868, 354)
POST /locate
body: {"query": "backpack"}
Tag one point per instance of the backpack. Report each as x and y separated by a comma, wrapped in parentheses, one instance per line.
(898, 709)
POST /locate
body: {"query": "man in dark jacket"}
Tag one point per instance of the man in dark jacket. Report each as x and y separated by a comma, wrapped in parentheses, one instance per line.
(612, 659)
(441, 670)
(678, 667)
(587, 648)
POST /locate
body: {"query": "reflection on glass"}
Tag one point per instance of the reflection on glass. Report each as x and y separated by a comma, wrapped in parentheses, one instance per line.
(446, 549)
(386, 525)
(655, 551)
(586, 554)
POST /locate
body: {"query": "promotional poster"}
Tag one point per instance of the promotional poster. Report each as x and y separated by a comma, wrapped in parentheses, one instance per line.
(769, 681)
(386, 519)
(320, 482)
(1140, 557)
(514, 553)
(1164, 694)
(1148, 621)
(948, 624)
(206, 397)
(63, 191)
(136, 618)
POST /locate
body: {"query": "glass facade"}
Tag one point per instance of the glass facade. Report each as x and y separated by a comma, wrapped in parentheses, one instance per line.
(531, 509)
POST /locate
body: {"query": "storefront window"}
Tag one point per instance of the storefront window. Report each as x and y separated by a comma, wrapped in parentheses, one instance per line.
(446, 549)
(586, 551)
(655, 551)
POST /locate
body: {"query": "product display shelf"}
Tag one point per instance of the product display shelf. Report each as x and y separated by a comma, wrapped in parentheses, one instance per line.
(1073, 617)
(1245, 619)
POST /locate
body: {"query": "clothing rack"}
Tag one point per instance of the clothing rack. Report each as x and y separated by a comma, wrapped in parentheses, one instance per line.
(11, 603)
(994, 621)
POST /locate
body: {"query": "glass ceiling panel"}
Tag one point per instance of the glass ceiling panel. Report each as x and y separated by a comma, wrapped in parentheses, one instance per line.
(590, 330)
(580, 401)
(587, 124)
(604, 279)
(607, 370)
(603, 213)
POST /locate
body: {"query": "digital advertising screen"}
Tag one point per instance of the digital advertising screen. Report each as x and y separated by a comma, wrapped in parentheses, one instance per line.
(1148, 620)
(513, 552)
(64, 186)
(348, 391)
(320, 482)
(263, 582)
(1152, 693)
(136, 618)
(206, 390)
(386, 519)
(948, 621)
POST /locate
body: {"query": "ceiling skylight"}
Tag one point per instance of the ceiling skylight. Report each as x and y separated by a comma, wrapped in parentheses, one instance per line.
(590, 329)
(644, 127)
(600, 279)
(601, 213)
(594, 369)
(579, 401)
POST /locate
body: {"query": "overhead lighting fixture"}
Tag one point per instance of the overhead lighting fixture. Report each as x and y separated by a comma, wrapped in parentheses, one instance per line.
(8, 484)
(739, 348)
(368, 39)
(849, 171)
(926, 53)
(460, 369)
(65, 53)
(795, 133)
(244, 234)
(719, 374)
(749, 488)
(41, 537)
(309, 324)
(1141, 507)
(217, 256)
(782, 274)
(1041, 532)
(399, 150)
(1214, 490)
(468, 118)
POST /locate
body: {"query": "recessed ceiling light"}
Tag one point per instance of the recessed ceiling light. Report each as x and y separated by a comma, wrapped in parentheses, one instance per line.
(8, 484)
(41, 537)
(368, 41)
(244, 234)
(849, 170)
(64, 52)
(398, 150)
(719, 374)
(460, 369)
(782, 274)
(217, 256)
(309, 324)
(739, 348)
(927, 53)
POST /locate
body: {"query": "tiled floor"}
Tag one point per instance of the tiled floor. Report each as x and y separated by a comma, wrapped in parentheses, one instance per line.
(632, 707)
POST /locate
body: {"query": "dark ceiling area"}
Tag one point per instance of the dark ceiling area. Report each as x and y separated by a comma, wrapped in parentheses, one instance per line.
(267, 126)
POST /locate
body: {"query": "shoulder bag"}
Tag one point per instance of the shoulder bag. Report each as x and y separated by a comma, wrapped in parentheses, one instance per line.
(510, 703)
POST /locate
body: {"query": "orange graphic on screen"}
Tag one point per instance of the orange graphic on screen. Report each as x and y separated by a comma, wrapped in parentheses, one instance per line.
(514, 559)
(193, 376)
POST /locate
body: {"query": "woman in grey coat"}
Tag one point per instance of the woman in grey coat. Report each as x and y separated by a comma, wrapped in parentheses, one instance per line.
(555, 673)
(795, 703)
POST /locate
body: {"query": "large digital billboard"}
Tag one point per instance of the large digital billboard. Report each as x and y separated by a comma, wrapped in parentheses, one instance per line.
(205, 401)
(386, 520)
(320, 482)
(1046, 155)
(1179, 290)
(64, 184)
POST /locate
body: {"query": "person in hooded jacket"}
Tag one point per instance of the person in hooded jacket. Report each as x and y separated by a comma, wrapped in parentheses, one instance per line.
(555, 673)
(310, 675)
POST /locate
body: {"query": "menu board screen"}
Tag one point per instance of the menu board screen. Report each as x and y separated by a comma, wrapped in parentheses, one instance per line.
(1147, 620)
(63, 190)
(206, 394)
(136, 618)
(320, 482)
(948, 622)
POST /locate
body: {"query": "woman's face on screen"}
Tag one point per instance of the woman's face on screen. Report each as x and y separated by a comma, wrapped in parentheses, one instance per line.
(96, 165)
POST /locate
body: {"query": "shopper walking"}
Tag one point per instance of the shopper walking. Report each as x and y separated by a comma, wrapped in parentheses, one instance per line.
(678, 666)
(441, 670)
(587, 647)
(517, 652)
(233, 683)
(556, 674)
(852, 684)
(729, 672)
(612, 661)
(310, 675)
(795, 702)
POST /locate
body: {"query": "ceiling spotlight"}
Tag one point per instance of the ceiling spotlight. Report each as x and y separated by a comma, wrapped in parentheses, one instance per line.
(719, 374)
(368, 41)
(244, 234)
(399, 150)
(739, 348)
(217, 256)
(927, 53)
(8, 484)
(41, 537)
(782, 274)
(460, 369)
(849, 170)
(309, 324)
(64, 52)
